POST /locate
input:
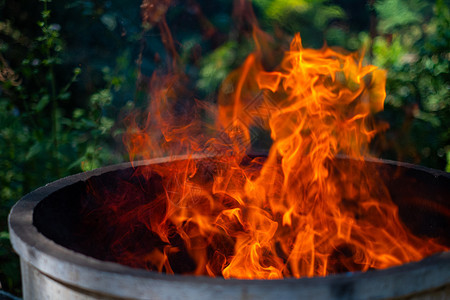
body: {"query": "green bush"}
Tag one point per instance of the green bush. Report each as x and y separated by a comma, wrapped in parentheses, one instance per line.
(413, 46)
(45, 133)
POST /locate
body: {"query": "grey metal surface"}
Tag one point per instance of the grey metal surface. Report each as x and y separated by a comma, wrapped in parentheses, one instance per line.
(50, 271)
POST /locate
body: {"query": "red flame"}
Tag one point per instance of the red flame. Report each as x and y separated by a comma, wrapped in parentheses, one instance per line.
(300, 211)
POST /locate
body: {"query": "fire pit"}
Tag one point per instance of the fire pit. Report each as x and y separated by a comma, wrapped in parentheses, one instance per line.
(57, 261)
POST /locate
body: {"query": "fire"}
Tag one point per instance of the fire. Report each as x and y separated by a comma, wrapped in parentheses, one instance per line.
(300, 211)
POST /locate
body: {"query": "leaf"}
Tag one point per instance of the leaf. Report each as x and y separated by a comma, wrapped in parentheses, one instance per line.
(447, 168)
(42, 103)
(101, 98)
(216, 66)
(428, 117)
(35, 149)
(105, 124)
(76, 163)
(89, 123)
(64, 96)
(109, 21)
(4, 235)
(45, 14)
(78, 113)
(89, 165)
(397, 13)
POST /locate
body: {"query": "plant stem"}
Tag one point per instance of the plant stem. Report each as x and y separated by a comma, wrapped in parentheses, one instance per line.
(54, 113)
(53, 100)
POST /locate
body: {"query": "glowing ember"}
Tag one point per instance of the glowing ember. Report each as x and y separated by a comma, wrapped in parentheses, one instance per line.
(299, 212)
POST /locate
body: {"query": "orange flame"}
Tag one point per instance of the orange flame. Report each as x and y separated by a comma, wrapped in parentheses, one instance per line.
(300, 211)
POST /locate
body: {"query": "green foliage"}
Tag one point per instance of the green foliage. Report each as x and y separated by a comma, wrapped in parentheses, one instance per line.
(281, 10)
(394, 15)
(44, 132)
(447, 168)
(10, 266)
(414, 50)
(13, 142)
(311, 17)
(219, 63)
(216, 66)
(389, 54)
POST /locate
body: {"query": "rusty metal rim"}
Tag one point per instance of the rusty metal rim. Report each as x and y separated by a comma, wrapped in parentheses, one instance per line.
(80, 271)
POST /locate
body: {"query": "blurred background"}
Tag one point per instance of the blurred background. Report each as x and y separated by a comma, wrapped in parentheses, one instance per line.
(70, 71)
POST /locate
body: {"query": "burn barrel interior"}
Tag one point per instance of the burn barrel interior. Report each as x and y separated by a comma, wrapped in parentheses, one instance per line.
(422, 199)
(421, 194)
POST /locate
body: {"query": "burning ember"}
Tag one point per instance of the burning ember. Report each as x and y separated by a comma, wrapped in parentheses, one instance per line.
(297, 212)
